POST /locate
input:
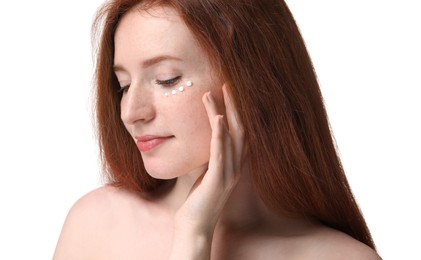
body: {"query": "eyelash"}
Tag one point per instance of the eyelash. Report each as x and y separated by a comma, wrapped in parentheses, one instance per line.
(166, 83)
(123, 89)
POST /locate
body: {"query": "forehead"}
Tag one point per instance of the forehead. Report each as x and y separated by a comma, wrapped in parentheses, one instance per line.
(158, 17)
(156, 31)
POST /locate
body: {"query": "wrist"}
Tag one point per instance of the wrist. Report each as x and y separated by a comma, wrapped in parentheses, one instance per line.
(191, 244)
(190, 226)
(190, 231)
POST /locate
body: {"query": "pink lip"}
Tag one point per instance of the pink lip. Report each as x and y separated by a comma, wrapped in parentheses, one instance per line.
(149, 142)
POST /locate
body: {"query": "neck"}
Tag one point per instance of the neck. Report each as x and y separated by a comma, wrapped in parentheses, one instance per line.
(243, 210)
(181, 189)
(244, 207)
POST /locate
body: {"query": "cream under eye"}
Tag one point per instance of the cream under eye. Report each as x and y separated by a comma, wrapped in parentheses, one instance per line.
(179, 89)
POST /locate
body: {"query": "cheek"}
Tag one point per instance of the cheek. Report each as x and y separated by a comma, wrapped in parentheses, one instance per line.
(196, 120)
(198, 139)
(193, 126)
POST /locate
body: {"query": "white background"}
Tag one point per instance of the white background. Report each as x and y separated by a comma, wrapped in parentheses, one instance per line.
(367, 56)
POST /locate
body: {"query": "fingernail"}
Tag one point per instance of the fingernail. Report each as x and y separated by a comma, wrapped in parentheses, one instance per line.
(209, 96)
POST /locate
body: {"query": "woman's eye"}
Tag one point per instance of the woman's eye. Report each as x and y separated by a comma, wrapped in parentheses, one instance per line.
(123, 89)
(168, 82)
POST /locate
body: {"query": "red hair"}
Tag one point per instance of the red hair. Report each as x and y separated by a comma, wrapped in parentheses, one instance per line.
(262, 57)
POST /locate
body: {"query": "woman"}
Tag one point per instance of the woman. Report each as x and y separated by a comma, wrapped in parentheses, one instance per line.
(215, 140)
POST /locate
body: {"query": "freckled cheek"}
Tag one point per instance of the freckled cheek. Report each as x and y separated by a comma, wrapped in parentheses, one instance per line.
(196, 114)
(198, 134)
(192, 115)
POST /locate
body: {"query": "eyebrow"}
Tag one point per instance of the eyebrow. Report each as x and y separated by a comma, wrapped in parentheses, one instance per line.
(149, 62)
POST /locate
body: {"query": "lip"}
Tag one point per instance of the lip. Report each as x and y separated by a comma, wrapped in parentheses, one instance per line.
(148, 142)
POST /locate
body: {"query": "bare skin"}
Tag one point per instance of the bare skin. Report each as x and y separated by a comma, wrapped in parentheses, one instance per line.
(111, 223)
(212, 211)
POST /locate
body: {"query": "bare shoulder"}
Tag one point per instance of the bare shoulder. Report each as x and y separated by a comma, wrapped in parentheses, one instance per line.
(301, 242)
(330, 244)
(102, 200)
(89, 220)
(101, 205)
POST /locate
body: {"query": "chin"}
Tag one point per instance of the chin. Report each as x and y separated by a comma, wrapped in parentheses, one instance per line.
(164, 173)
(161, 174)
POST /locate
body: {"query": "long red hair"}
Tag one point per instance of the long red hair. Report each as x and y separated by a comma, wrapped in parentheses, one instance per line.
(260, 53)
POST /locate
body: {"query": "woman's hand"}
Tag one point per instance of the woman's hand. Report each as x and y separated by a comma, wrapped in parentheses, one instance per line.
(196, 219)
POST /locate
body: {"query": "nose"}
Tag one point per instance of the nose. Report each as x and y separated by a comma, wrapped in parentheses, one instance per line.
(137, 105)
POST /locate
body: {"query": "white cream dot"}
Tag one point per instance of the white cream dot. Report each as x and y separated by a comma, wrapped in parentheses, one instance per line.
(189, 83)
(181, 89)
(174, 92)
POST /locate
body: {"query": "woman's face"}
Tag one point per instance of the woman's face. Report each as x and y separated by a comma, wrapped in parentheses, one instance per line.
(155, 53)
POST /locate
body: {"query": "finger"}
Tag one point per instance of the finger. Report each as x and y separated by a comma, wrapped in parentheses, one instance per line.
(221, 162)
(222, 176)
(217, 152)
(236, 130)
(234, 122)
(229, 154)
(210, 107)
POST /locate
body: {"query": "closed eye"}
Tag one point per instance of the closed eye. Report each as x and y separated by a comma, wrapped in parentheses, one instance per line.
(123, 89)
(168, 82)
